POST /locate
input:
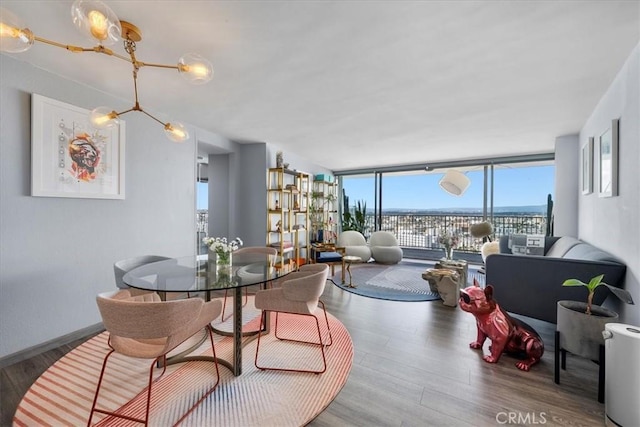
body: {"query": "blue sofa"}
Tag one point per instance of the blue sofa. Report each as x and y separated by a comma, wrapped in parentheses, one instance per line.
(531, 285)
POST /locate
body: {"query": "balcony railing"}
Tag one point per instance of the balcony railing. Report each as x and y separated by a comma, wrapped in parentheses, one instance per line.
(422, 231)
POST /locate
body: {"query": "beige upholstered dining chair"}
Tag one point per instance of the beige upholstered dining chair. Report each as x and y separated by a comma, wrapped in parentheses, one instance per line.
(299, 293)
(259, 250)
(145, 327)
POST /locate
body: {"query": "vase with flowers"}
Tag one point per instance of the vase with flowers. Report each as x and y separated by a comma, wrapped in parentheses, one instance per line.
(223, 249)
(448, 241)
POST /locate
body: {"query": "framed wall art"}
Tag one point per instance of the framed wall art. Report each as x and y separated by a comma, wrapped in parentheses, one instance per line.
(608, 161)
(70, 158)
(587, 167)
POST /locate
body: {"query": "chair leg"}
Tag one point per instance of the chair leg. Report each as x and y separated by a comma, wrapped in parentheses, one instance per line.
(224, 303)
(324, 359)
(114, 414)
(145, 421)
(326, 318)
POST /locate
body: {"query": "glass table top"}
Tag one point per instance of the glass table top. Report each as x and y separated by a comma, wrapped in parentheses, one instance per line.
(201, 273)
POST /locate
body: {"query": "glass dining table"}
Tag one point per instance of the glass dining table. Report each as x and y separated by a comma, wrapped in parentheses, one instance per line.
(201, 274)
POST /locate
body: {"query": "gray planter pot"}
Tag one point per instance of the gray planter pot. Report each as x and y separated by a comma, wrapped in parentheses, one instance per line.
(581, 334)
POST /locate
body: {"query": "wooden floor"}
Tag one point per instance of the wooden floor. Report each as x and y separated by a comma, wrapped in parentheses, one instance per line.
(413, 367)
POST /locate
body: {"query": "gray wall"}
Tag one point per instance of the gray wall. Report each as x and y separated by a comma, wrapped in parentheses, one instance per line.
(565, 205)
(237, 190)
(612, 223)
(56, 254)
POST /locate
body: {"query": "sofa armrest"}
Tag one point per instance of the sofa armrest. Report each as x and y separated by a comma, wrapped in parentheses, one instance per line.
(532, 285)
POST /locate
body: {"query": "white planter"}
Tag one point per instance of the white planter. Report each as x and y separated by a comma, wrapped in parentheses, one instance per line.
(581, 334)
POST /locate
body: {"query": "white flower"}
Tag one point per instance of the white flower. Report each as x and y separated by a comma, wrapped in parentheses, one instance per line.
(221, 245)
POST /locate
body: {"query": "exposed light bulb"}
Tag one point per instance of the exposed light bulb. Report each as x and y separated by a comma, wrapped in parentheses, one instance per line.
(103, 117)
(98, 25)
(14, 37)
(96, 20)
(195, 69)
(176, 132)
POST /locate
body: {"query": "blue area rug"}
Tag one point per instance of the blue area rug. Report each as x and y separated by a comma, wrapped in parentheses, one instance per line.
(399, 282)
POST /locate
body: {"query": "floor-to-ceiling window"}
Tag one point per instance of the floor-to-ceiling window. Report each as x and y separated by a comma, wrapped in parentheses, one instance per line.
(202, 204)
(513, 196)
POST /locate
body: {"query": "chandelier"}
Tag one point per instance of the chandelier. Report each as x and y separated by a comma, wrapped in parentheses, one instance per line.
(98, 21)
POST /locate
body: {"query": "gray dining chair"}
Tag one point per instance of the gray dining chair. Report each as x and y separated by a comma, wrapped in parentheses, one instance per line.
(122, 267)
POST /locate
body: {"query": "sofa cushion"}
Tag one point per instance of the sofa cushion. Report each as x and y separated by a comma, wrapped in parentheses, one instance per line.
(589, 253)
(562, 246)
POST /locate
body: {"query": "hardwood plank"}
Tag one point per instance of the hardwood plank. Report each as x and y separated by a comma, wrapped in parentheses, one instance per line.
(413, 367)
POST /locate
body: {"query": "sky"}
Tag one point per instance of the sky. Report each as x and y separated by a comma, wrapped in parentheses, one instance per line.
(516, 186)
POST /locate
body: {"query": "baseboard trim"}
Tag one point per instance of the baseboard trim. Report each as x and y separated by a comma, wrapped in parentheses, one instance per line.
(28, 353)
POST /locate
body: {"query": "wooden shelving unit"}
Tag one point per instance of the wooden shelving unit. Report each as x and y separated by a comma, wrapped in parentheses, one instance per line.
(288, 215)
(324, 211)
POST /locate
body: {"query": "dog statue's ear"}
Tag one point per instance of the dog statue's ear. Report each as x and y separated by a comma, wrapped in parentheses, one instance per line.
(475, 283)
(488, 292)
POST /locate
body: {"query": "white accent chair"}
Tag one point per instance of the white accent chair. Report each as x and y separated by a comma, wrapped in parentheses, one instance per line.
(354, 244)
(384, 247)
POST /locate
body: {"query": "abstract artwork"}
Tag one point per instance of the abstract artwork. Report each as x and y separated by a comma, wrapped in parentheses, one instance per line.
(70, 158)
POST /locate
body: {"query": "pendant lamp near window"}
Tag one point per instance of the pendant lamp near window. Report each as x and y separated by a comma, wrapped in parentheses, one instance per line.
(455, 182)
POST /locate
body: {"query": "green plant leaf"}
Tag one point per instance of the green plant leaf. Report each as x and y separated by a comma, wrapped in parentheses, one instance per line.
(574, 282)
(620, 293)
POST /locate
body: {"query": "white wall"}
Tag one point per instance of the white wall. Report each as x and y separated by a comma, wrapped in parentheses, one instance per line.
(56, 254)
(613, 223)
(565, 206)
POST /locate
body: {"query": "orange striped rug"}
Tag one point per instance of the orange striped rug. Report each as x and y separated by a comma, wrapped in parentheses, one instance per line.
(63, 394)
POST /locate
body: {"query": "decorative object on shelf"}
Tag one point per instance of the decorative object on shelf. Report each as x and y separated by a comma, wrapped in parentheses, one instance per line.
(580, 324)
(279, 159)
(223, 249)
(507, 334)
(99, 22)
(455, 182)
(448, 241)
(608, 161)
(69, 158)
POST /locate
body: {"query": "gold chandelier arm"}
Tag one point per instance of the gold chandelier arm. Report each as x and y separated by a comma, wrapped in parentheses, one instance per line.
(77, 49)
(129, 110)
(157, 120)
(149, 64)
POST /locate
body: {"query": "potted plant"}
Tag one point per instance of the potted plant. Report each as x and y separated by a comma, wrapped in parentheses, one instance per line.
(580, 324)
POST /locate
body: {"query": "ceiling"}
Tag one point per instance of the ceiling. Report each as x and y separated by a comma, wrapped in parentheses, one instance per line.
(356, 84)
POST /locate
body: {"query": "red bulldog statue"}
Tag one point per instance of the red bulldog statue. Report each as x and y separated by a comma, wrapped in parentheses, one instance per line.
(507, 334)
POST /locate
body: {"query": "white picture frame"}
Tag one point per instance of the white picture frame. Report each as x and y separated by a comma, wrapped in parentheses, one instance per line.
(70, 158)
(608, 161)
(587, 167)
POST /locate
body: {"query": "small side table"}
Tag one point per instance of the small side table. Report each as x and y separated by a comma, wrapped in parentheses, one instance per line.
(460, 266)
(348, 260)
(445, 282)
